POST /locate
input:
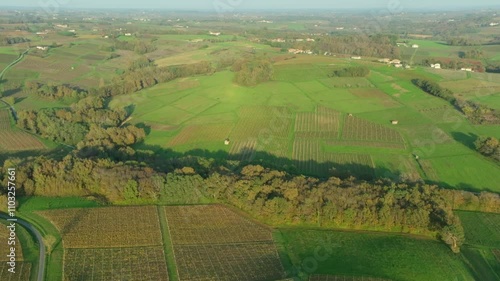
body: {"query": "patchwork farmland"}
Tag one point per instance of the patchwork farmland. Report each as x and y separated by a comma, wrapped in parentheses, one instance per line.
(116, 243)
(214, 243)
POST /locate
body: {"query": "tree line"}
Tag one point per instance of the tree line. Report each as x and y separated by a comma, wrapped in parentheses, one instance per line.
(475, 112)
(274, 196)
(251, 72)
(53, 92)
(489, 147)
(355, 71)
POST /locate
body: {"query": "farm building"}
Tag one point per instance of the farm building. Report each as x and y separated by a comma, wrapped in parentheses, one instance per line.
(415, 46)
(386, 60)
(436, 66)
(356, 58)
(227, 142)
(394, 122)
(214, 33)
(43, 48)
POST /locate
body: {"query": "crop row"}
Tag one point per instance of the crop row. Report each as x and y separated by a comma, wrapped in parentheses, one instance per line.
(317, 125)
(481, 228)
(140, 263)
(212, 224)
(4, 120)
(359, 129)
(249, 261)
(344, 278)
(202, 133)
(107, 227)
(17, 140)
(309, 158)
(23, 270)
(392, 145)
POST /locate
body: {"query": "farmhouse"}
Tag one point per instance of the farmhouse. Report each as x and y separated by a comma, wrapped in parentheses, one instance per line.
(214, 33)
(278, 40)
(414, 46)
(494, 24)
(356, 58)
(227, 142)
(128, 34)
(395, 61)
(310, 40)
(466, 69)
(385, 60)
(398, 65)
(436, 66)
(394, 122)
(43, 48)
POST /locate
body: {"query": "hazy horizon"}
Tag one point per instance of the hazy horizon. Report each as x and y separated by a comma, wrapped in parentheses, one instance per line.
(234, 5)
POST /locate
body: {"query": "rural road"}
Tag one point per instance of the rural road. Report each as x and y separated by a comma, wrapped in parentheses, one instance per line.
(20, 58)
(41, 260)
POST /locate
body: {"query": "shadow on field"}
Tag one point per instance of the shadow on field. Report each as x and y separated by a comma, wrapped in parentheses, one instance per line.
(205, 162)
(465, 139)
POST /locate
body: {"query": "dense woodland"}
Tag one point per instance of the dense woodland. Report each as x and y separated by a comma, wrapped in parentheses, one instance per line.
(274, 196)
(475, 112)
(252, 72)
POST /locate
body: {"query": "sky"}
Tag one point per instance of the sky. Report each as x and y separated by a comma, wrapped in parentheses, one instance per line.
(235, 5)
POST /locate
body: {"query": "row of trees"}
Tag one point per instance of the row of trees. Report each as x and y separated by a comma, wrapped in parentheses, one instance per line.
(489, 147)
(53, 92)
(14, 40)
(137, 46)
(251, 72)
(274, 196)
(355, 71)
(475, 112)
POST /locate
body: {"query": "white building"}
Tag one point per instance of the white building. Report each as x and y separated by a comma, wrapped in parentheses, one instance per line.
(43, 48)
(436, 66)
(356, 58)
(414, 46)
(215, 33)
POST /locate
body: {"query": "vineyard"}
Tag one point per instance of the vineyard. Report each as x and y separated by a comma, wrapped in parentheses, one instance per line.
(344, 278)
(107, 227)
(324, 123)
(23, 270)
(250, 261)
(391, 145)
(14, 140)
(214, 243)
(360, 129)
(310, 159)
(137, 263)
(4, 119)
(496, 252)
(4, 248)
(481, 228)
(261, 129)
(202, 133)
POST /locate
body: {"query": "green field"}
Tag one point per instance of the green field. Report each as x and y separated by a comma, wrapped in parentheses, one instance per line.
(200, 112)
(372, 255)
(482, 236)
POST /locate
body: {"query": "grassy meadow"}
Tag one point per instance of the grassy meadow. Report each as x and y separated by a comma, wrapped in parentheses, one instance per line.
(322, 126)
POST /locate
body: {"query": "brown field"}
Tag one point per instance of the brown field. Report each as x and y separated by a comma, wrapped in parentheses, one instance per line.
(18, 140)
(4, 119)
(202, 133)
(139, 263)
(4, 248)
(215, 243)
(107, 227)
(212, 224)
(23, 270)
(228, 262)
(343, 278)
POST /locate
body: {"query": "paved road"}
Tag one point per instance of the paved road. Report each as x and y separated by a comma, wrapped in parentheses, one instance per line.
(41, 260)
